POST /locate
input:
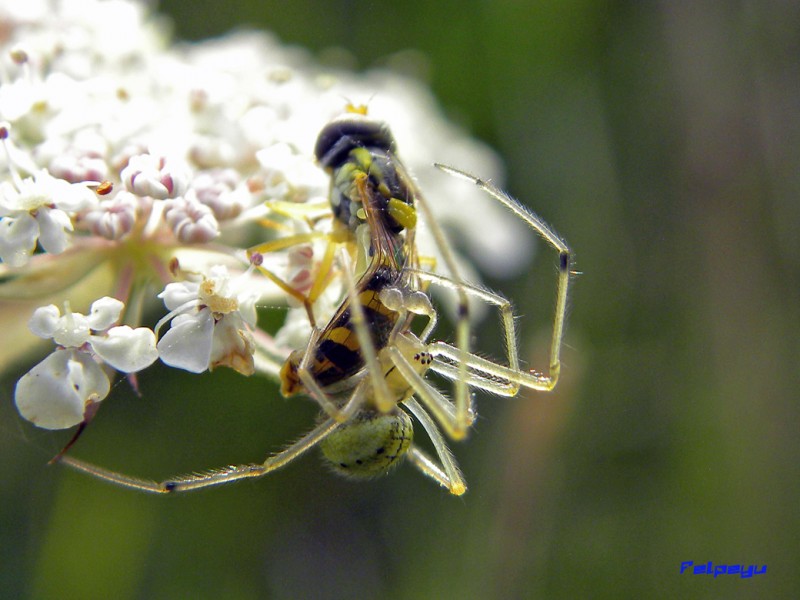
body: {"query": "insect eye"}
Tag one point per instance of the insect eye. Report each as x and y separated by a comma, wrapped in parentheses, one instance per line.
(340, 136)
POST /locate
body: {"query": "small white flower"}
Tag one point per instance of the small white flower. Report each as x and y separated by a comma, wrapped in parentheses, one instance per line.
(154, 176)
(191, 221)
(18, 237)
(113, 218)
(211, 322)
(57, 392)
(38, 209)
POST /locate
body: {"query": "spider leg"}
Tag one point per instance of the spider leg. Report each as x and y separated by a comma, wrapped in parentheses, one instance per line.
(462, 394)
(504, 380)
(448, 474)
(564, 263)
(188, 483)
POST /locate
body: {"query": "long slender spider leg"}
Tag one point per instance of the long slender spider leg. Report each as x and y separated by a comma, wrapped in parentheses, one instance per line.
(356, 400)
(406, 347)
(483, 373)
(188, 483)
(491, 298)
(449, 474)
(443, 410)
(316, 392)
(486, 374)
(427, 466)
(462, 394)
(554, 240)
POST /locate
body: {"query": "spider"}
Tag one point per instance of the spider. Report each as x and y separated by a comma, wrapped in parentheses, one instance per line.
(367, 368)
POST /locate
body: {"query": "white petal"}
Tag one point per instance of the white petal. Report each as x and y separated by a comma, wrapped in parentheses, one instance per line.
(73, 330)
(53, 227)
(55, 393)
(72, 197)
(178, 294)
(247, 308)
(126, 349)
(18, 237)
(44, 321)
(8, 197)
(104, 313)
(187, 344)
(233, 345)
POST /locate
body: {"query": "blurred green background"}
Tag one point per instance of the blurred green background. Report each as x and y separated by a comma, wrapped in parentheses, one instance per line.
(661, 140)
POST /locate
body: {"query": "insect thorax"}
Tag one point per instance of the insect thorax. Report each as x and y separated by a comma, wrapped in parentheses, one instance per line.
(369, 181)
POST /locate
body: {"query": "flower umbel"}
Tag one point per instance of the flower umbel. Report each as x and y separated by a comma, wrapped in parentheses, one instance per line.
(123, 157)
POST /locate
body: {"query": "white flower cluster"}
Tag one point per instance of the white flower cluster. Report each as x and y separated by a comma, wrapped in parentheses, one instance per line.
(138, 163)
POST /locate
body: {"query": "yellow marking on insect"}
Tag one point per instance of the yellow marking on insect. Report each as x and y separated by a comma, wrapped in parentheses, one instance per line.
(363, 157)
(290, 381)
(345, 173)
(356, 109)
(352, 177)
(404, 214)
(344, 337)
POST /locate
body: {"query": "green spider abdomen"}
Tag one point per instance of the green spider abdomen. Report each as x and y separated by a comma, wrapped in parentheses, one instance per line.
(369, 444)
